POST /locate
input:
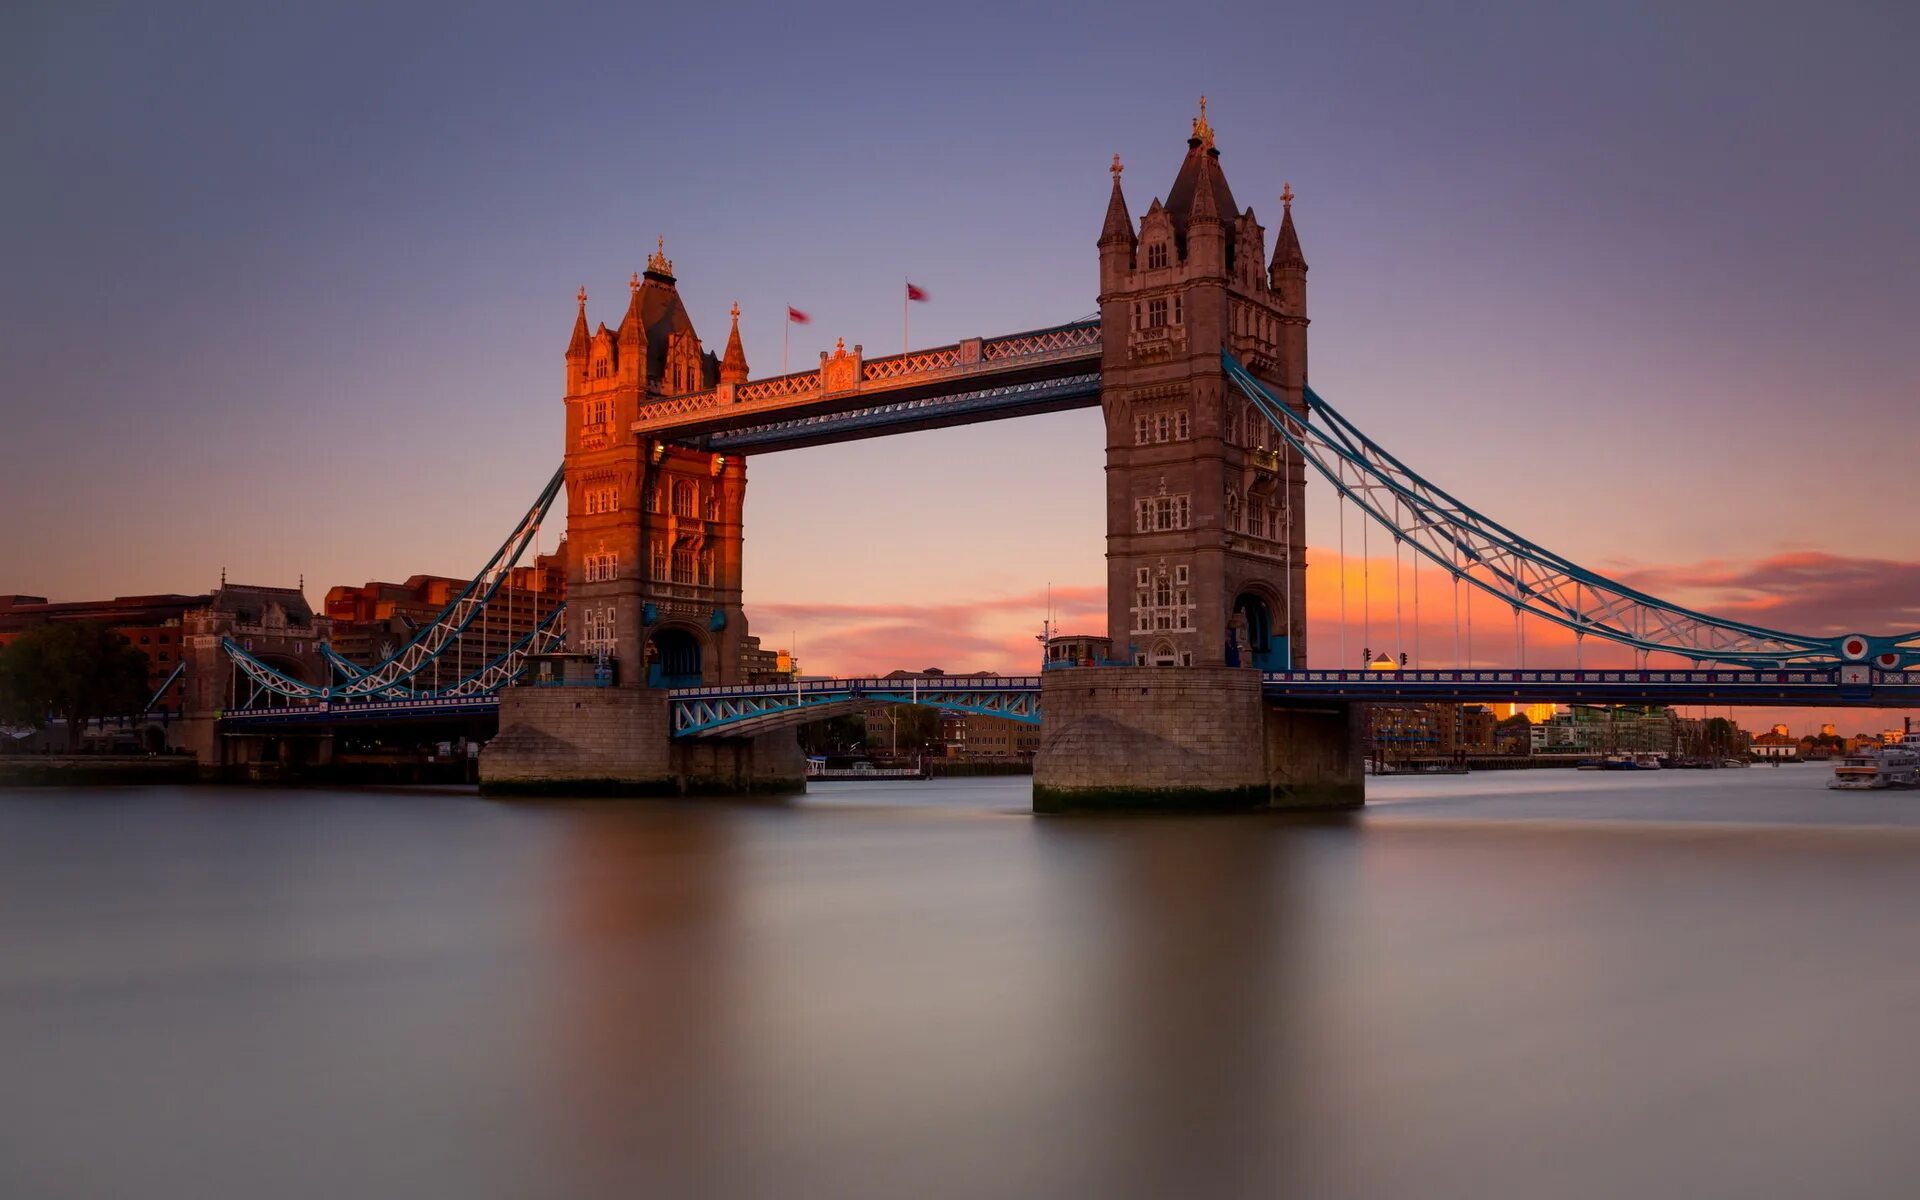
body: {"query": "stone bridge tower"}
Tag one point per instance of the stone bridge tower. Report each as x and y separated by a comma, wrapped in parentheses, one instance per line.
(1205, 546)
(653, 530)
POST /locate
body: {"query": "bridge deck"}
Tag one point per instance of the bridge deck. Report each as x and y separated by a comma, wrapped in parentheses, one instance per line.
(852, 396)
(734, 711)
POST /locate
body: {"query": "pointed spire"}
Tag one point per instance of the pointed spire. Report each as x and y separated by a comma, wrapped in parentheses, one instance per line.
(577, 348)
(633, 330)
(733, 365)
(1286, 247)
(1206, 207)
(1119, 226)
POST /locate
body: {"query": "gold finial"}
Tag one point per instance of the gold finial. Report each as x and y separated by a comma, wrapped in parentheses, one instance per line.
(659, 263)
(1116, 168)
(1286, 195)
(582, 297)
(633, 282)
(735, 312)
(1201, 129)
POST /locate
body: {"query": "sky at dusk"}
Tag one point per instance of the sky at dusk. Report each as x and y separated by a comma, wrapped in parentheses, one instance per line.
(286, 291)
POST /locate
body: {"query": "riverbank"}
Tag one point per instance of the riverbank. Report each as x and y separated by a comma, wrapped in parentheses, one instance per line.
(86, 770)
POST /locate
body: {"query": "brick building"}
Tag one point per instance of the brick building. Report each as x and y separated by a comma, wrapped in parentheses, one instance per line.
(374, 619)
(150, 624)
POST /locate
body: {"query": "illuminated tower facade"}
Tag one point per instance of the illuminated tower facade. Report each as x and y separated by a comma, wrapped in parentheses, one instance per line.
(1205, 547)
(653, 530)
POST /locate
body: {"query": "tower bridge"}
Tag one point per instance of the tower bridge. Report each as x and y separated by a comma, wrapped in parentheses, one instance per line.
(1197, 357)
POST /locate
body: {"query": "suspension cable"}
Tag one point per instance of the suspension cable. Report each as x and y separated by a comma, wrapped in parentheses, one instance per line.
(1286, 584)
(1415, 560)
(1456, 621)
(1399, 626)
(1366, 586)
(1340, 503)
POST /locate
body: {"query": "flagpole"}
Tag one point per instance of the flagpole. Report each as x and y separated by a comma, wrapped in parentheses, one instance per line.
(904, 285)
(786, 336)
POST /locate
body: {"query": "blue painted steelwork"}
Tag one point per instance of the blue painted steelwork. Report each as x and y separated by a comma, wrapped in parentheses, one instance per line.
(1795, 687)
(504, 669)
(327, 712)
(172, 678)
(985, 404)
(1487, 555)
(388, 678)
(758, 708)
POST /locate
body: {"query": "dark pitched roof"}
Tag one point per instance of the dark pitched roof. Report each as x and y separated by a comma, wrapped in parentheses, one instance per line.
(1202, 164)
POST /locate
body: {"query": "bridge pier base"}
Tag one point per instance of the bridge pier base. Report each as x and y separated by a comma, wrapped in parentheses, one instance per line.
(770, 764)
(1200, 739)
(578, 741)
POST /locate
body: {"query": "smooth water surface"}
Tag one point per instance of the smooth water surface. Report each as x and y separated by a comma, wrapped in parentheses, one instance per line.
(1538, 984)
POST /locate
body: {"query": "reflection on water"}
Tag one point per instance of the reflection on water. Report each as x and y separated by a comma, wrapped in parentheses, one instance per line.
(1541, 984)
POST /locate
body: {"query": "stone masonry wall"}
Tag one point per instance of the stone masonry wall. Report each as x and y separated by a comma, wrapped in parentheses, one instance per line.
(568, 740)
(1149, 738)
(1314, 756)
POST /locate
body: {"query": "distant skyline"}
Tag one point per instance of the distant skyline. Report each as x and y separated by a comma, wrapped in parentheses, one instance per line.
(287, 291)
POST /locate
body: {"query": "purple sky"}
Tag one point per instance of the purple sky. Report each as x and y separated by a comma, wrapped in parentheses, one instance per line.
(288, 293)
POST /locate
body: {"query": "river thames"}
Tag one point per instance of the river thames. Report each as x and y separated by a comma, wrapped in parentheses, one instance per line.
(1533, 983)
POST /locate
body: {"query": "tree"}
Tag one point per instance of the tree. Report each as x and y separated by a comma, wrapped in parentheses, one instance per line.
(76, 670)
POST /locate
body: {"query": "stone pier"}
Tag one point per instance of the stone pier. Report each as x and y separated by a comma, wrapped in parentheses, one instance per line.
(614, 741)
(1146, 739)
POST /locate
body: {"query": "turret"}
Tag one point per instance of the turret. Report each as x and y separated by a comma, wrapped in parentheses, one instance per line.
(633, 337)
(1117, 239)
(733, 367)
(577, 347)
(1288, 275)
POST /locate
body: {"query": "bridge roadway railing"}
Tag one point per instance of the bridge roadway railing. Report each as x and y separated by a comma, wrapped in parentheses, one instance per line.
(1836, 686)
(846, 381)
(746, 709)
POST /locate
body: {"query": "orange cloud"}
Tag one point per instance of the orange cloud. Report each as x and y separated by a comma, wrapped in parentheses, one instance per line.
(1800, 592)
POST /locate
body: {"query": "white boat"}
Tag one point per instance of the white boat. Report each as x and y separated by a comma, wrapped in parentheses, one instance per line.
(1891, 767)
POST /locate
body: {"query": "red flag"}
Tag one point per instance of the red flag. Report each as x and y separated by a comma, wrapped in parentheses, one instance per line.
(797, 317)
(916, 293)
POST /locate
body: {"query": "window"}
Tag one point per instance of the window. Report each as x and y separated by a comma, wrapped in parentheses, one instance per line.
(603, 500)
(1158, 513)
(599, 412)
(1156, 313)
(597, 629)
(683, 564)
(685, 499)
(706, 568)
(1156, 256)
(651, 501)
(600, 369)
(659, 559)
(710, 505)
(602, 568)
(1173, 425)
